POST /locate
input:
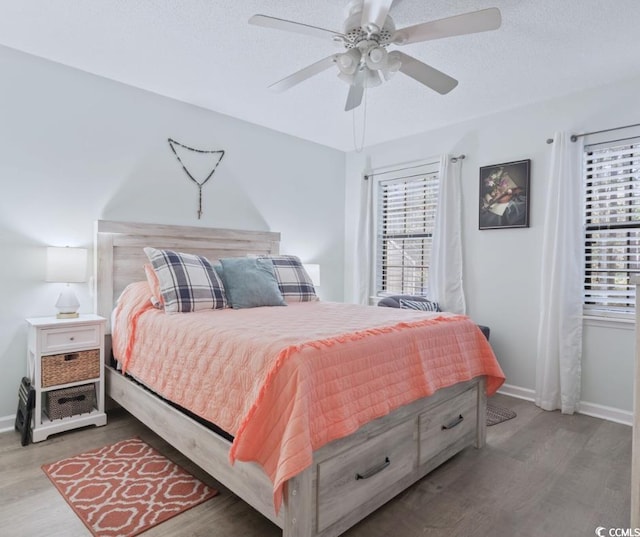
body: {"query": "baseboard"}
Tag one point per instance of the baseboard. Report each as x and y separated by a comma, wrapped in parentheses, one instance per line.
(7, 423)
(616, 415)
(588, 409)
(594, 410)
(518, 392)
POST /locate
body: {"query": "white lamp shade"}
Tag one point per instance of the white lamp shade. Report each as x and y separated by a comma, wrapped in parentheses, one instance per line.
(66, 265)
(313, 270)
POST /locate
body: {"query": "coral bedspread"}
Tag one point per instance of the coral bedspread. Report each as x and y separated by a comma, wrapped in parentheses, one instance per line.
(287, 380)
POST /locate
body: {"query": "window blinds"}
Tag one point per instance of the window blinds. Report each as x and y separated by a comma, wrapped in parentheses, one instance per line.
(612, 227)
(405, 219)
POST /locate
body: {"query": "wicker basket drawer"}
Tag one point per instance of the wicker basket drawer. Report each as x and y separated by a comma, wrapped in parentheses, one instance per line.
(70, 401)
(71, 367)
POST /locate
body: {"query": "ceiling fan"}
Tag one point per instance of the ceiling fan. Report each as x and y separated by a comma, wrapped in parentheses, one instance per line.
(367, 32)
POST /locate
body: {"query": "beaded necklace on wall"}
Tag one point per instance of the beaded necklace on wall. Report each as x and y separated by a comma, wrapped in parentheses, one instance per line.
(198, 184)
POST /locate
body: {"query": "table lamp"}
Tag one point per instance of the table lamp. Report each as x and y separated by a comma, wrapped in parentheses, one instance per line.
(67, 265)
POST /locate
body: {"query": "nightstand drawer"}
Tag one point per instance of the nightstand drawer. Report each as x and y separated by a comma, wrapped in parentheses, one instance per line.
(63, 339)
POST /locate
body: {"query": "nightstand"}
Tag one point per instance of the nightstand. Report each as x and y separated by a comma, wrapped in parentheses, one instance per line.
(65, 359)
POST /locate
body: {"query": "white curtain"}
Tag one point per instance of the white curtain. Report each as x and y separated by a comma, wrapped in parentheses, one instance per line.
(445, 271)
(558, 369)
(363, 262)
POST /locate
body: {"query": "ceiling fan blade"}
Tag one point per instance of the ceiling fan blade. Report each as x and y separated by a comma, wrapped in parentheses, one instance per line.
(356, 92)
(303, 74)
(354, 97)
(425, 74)
(375, 12)
(467, 23)
(292, 26)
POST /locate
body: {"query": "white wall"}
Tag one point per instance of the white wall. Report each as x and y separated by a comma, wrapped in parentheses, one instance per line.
(75, 148)
(502, 267)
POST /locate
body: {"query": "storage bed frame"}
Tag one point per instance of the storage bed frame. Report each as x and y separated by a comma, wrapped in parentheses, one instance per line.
(350, 477)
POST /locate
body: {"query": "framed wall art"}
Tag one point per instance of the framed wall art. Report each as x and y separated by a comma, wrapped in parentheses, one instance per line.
(504, 195)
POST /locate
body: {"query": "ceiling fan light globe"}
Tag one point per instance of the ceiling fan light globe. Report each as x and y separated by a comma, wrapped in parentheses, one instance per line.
(348, 61)
(349, 79)
(393, 62)
(372, 79)
(376, 58)
(388, 75)
(346, 64)
(365, 45)
(377, 54)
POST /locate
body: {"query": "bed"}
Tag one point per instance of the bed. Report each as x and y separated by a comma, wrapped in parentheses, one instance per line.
(348, 477)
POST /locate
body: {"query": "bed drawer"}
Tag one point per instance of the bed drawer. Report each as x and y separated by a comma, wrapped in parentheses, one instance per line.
(447, 423)
(352, 478)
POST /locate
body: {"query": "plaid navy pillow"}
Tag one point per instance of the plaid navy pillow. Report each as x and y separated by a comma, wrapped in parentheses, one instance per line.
(293, 280)
(187, 282)
(422, 305)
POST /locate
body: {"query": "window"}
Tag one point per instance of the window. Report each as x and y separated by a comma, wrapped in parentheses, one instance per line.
(405, 217)
(612, 227)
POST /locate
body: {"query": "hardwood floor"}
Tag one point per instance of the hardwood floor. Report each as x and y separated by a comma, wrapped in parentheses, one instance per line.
(541, 474)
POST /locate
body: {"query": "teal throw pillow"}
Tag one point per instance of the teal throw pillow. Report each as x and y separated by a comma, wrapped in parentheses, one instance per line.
(250, 282)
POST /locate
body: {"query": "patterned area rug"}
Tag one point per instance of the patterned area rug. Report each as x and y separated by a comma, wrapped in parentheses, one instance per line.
(126, 488)
(498, 414)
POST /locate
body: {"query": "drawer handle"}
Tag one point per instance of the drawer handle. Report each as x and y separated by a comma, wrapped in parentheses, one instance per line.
(453, 423)
(375, 470)
(70, 357)
(71, 338)
(65, 400)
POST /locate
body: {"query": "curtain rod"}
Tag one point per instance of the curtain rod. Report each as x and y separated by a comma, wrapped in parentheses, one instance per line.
(453, 159)
(393, 170)
(574, 137)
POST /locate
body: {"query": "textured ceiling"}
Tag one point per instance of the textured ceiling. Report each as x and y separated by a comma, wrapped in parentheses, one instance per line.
(203, 52)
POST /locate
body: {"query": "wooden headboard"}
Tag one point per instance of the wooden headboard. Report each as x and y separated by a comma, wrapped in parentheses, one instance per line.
(119, 257)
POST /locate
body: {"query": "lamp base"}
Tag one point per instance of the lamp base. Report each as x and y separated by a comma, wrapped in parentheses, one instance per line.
(67, 315)
(67, 304)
